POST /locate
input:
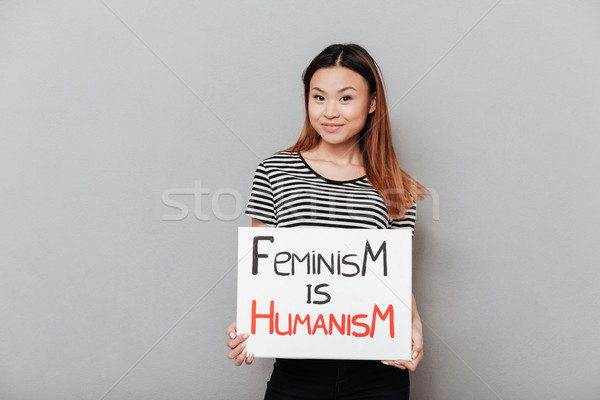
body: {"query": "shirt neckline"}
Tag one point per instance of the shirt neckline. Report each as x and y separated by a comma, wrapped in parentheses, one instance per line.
(324, 178)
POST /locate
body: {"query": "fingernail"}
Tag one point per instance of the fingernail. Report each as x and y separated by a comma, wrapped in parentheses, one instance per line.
(245, 335)
(244, 352)
(232, 335)
(251, 355)
(385, 362)
(397, 362)
(415, 354)
(244, 345)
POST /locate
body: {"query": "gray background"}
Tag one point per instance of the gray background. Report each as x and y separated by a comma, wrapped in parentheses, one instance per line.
(105, 106)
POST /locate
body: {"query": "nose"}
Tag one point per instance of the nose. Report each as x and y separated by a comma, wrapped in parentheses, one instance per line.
(330, 110)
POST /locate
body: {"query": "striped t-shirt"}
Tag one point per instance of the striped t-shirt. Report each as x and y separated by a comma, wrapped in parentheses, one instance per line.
(287, 192)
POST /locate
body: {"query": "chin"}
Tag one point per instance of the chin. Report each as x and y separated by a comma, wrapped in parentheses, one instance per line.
(335, 140)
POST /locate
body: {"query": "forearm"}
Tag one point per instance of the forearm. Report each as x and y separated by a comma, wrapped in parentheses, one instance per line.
(415, 312)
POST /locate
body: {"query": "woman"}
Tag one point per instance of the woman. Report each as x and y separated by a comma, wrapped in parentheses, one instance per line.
(342, 172)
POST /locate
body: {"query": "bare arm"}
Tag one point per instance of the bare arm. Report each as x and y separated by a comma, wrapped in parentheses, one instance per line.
(415, 313)
(417, 342)
(257, 223)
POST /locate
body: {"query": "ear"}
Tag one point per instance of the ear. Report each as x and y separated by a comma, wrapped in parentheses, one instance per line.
(372, 106)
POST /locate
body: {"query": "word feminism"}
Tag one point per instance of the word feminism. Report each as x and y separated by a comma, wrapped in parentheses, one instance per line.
(285, 262)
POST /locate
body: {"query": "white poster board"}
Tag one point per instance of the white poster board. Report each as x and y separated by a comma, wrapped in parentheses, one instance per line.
(329, 293)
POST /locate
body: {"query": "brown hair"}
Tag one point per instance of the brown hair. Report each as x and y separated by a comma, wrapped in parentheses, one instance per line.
(398, 189)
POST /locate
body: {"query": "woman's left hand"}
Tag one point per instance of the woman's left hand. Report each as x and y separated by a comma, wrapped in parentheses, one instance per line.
(417, 348)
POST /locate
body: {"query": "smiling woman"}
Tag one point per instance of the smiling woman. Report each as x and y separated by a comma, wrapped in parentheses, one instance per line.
(344, 111)
(341, 173)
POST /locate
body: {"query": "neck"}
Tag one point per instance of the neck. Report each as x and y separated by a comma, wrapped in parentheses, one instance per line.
(342, 153)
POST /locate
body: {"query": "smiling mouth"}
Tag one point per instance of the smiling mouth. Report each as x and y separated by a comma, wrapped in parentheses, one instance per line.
(331, 127)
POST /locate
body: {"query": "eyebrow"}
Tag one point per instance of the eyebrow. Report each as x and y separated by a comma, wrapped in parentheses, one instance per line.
(339, 91)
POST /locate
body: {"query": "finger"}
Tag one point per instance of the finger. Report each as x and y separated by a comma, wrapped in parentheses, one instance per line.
(412, 364)
(419, 356)
(250, 358)
(399, 364)
(415, 354)
(394, 363)
(417, 347)
(231, 330)
(235, 342)
(240, 359)
(234, 352)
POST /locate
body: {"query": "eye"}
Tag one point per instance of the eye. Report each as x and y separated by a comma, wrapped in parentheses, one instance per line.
(317, 97)
(346, 97)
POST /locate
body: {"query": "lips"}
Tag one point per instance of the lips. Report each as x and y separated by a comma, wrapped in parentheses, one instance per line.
(331, 127)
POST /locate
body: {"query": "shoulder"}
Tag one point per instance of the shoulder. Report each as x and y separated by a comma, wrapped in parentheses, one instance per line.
(410, 214)
(278, 159)
(280, 156)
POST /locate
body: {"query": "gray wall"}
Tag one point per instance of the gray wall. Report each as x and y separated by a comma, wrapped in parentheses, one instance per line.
(106, 106)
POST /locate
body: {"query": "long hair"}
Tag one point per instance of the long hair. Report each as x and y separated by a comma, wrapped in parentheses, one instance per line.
(399, 190)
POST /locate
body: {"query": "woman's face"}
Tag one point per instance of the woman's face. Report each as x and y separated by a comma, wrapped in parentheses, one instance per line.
(338, 104)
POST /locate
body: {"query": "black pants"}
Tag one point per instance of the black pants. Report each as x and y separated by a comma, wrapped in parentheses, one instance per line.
(336, 379)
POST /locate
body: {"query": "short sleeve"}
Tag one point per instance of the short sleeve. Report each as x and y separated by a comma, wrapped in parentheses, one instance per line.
(409, 220)
(261, 204)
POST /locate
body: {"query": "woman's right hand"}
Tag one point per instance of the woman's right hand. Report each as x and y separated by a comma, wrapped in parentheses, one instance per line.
(237, 345)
